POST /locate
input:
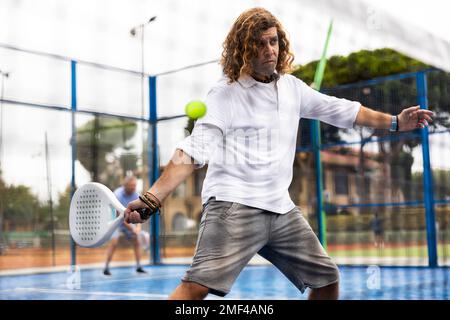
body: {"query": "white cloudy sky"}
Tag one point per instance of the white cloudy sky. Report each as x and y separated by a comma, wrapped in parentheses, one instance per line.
(184, 33)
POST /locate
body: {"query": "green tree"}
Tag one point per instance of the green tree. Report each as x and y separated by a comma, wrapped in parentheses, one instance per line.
(388, 96)
(441, 183)
(20, 207)
(190, 125)
(61, 211)
(359, 66)
(98, 139)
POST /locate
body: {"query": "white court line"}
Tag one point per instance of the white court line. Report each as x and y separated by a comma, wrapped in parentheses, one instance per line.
(125, 294)
(64, 268)
(94, 293)
(257, 260)
(140, 277)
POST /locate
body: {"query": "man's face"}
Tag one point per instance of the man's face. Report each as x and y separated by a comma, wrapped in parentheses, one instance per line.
(266, 61)
(130, 186)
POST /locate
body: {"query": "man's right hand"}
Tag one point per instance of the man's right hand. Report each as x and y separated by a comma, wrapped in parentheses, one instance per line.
(132, 216)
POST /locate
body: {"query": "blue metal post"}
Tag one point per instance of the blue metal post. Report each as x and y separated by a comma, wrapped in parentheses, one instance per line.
(73, 143)
(153, 165)
(428, 190)
(321, 222)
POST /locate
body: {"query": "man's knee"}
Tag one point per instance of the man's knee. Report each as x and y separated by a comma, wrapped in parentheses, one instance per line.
(336, 273)
(334, 285)
(331, 290)
(328, 292)
(196, 289)
(189, 291)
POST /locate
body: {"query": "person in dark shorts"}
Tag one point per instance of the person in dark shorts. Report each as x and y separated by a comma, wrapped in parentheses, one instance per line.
(378, 231)
(125, 194)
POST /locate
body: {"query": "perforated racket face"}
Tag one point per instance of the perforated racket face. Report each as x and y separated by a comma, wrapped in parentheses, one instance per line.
(91, 212)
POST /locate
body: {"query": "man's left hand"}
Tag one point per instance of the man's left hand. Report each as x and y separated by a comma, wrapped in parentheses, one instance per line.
(413, 118)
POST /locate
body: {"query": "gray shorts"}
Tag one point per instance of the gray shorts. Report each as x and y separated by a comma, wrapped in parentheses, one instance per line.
(231, 234)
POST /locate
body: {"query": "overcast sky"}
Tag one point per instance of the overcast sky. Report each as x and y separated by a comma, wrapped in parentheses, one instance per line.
(185, 32)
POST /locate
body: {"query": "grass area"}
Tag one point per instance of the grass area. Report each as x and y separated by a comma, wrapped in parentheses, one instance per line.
(414, 251)
(16, 258)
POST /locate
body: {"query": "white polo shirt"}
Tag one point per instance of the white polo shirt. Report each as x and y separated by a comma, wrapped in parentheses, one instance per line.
(248, 138)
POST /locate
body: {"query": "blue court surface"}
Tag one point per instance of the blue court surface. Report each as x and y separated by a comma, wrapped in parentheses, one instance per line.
(255, 282)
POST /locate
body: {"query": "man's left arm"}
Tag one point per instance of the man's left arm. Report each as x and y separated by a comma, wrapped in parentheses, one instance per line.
(409, 119)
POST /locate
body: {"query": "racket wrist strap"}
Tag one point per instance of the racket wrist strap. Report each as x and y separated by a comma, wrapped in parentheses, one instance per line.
(147, 203)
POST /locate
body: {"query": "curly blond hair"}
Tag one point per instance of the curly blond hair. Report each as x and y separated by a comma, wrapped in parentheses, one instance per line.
(241, 43)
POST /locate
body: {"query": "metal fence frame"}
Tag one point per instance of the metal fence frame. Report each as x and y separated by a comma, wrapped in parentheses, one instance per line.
(429, 201)
(421, 83)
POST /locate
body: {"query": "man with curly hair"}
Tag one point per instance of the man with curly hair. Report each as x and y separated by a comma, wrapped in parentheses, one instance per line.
(248, 139)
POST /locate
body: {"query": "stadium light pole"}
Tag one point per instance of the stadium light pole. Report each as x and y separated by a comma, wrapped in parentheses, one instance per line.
(4, 75)
(133, 32)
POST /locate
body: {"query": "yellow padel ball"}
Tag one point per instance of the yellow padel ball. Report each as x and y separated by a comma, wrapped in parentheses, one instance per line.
(195, 109)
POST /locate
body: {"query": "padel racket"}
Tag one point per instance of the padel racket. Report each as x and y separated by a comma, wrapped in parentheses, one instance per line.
(93, 215)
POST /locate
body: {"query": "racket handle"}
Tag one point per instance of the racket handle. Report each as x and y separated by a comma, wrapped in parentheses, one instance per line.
(145, 213)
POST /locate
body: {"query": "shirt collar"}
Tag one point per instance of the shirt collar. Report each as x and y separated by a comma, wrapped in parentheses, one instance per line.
(247, 81)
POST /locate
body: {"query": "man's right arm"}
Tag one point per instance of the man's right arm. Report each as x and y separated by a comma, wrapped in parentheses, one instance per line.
(179, 168)
(200, 145)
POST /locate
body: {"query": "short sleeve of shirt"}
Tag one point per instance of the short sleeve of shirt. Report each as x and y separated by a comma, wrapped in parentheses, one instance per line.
(218, 112)
(338, 112)
(202, 144)
(210, 129)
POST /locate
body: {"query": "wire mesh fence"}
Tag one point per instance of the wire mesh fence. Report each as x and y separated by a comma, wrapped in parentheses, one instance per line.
(376, 204)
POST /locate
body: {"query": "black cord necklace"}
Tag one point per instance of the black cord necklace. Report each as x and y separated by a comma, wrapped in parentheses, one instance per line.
(273, 76)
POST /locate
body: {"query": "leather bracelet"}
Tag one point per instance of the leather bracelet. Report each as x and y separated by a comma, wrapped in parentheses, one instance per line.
(149, 202)
(152, 198)
(152, 206)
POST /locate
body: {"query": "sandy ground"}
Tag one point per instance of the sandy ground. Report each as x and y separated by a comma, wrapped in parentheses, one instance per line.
(36, 257)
